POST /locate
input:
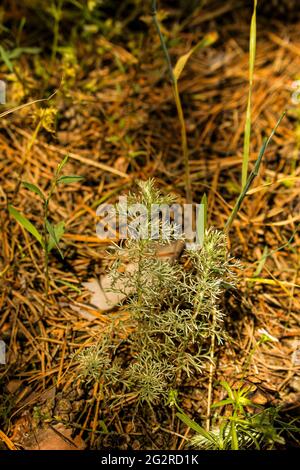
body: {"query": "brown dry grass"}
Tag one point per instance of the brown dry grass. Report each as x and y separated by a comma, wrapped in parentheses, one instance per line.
(117, 122)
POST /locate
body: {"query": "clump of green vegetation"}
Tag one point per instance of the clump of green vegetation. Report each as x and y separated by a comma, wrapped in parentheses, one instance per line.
(243, 424)
(175, 304)
(50, 235)
(96, 363)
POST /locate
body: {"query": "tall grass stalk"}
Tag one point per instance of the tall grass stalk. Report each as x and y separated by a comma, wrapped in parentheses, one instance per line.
(247, 134)
(174, 82)
(56, 12)
(174, 74)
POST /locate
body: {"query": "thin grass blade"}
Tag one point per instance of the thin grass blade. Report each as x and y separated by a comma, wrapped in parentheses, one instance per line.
(247, 134)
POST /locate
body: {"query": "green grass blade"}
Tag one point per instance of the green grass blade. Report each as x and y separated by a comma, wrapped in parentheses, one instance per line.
(204, 202)
(226, 401)
(247, 134)
(234, 438)
(62, 164)
(35, 189)
(18, 51)
(191, 424)
(202, 220)
(68, 284)
(25, 223)
(6, 59)
(227, 388)
(252, 176)
(262, 262)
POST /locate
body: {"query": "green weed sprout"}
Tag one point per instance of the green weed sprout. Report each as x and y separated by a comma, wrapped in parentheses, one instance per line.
(51, 234)
(239, 428)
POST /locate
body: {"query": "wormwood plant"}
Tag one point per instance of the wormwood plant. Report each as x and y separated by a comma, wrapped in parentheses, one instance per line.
(175, 304)
(96, 363)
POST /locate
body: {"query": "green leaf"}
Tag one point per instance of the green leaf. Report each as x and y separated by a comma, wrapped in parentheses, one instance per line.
(5, 57)
(204, 202)
(53, 237)
(59, 230)
(18, 51)
(103, 426)
(227, 401)
(69, 179)
(35, 189)
(182, 61)
(196, 427)
(62, 164)
(244, 401)
(234, 437)
(227, 388)
(190, 423)
(247, 132)
(25, 223)
(252, 176)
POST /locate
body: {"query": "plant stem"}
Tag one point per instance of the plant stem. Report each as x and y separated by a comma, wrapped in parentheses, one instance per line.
(45, 237)
(46, 255)
(57, 12)
(163, 42)
(211, 370)
(174, 83)
(185, 153)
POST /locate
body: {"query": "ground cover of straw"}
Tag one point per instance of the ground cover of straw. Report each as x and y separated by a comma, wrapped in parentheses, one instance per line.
(118, 111)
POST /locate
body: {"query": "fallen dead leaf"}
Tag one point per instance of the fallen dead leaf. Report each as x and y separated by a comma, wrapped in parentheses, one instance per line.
(104, 299)
(56, 437)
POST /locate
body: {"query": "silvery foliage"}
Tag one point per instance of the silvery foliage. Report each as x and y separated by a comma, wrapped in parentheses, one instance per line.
(175, 305)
